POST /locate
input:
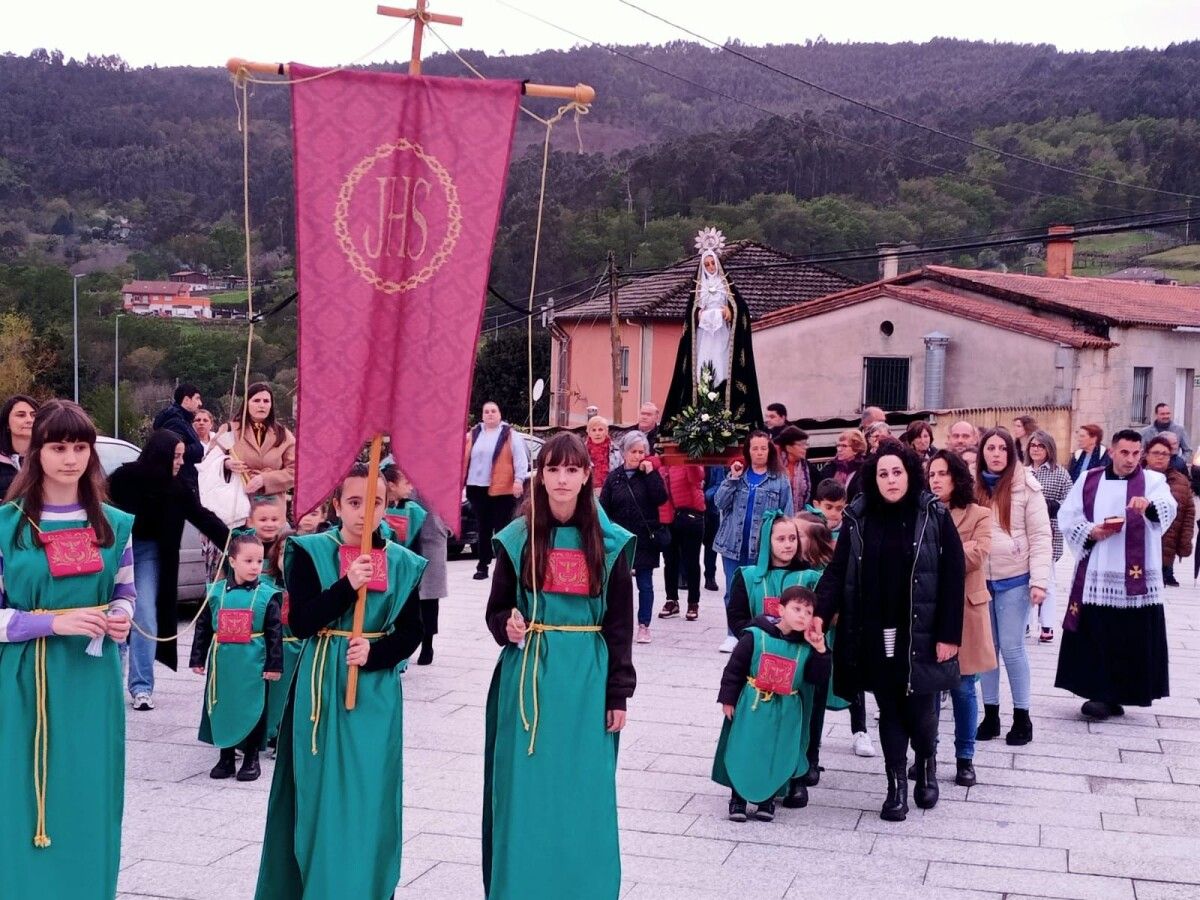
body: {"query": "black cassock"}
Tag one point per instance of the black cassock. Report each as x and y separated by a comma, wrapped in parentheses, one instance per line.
(742, 391)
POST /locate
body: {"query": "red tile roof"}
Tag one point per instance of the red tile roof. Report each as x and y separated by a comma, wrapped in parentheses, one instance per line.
(665, 294)
(157, 287)
(1101, 300)
(989, 312)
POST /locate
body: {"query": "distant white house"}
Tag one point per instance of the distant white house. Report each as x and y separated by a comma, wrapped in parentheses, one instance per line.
(170, 299)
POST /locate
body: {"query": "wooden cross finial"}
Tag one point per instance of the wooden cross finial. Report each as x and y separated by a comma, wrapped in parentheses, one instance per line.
(420, 17)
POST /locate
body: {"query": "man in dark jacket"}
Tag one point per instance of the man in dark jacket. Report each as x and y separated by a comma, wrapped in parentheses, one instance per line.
(178, 418)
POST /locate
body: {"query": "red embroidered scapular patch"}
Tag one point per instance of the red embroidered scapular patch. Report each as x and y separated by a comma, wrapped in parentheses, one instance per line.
(771, 606)
(775, 673)
(567, 573)
(71, 551)
(399, 525)
(234, 626)
(379, 574)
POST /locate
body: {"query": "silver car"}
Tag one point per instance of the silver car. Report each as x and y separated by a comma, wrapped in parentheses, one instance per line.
(114, 453)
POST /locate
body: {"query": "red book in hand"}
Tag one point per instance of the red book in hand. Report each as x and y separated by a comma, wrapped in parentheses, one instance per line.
(379, 574)
(771, 606)
(234, 626)
(71, 551)
(775, 673)
(567, 573)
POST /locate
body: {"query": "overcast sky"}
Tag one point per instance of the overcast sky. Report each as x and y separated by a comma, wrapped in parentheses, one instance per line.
(325, 32)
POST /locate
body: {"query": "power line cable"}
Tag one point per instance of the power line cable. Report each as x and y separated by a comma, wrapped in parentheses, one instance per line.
(896, 116)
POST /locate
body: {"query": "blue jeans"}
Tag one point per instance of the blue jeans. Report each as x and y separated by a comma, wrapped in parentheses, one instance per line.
(145, 615)
(966, 717)
(730, 567)
(1010, 612)
(645, 586)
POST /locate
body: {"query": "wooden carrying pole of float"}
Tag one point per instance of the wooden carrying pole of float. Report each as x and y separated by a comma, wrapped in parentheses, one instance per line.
(579, 93)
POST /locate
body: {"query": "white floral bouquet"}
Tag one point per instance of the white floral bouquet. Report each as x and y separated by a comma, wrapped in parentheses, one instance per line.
(707, 427)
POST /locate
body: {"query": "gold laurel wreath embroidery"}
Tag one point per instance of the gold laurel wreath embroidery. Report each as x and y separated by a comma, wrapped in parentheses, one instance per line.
(341, 227)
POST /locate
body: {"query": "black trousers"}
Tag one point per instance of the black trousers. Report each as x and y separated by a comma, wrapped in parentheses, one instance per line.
(711, 524)
(492, 514)
(904, 719)
(687, 533)
(429, 615)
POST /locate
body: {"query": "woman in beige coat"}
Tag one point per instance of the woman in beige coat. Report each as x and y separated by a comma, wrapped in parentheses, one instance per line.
(265, 456)
(1018, 573)
(952, 483)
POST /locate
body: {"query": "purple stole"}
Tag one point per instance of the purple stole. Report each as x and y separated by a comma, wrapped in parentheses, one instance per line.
(1135, 543)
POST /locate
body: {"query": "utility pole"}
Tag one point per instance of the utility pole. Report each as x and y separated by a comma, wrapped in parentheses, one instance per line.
(615, 331)
(75, 327)
(117, 376)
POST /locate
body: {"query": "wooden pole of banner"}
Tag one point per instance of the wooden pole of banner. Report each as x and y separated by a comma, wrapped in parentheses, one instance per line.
(360, 605)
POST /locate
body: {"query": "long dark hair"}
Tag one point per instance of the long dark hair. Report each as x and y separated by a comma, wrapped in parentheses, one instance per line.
(10, 404)
(275, 427)
(157, 459)
(773, 466)
(998, 498)
(962, 491)
(66, 422)
(912, 465)
(563, 449)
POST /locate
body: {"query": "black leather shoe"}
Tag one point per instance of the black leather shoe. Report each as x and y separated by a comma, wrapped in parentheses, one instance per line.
(925, 786)
(812, 777)
(797, 795)
(249, 770)
(426, 656)
(765, 811)
(226, 767)
(990, 726)
(1095, 709)
(895, 806)
(1116, 709)
(966, 773)
(711, 585)
(737, 810)
(480, 575)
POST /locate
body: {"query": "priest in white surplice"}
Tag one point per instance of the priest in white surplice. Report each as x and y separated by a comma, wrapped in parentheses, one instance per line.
(1114, 645)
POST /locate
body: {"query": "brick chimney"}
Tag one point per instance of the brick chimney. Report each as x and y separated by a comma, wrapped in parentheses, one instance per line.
(1060, 251)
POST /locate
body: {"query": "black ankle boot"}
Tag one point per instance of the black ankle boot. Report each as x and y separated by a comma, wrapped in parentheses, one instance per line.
(966, 773)
(1021, 732)
(925, 786)
(797, 794)
(249, 770)
(895, 807)
(426, 656)
(226, 767)
(990, 726)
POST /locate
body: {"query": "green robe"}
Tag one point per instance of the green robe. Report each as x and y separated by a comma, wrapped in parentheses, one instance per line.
(278, 691)
(411, 510)
(550, 796)
(757, 752)
(234, 689)
(334, 815)
(85, 773)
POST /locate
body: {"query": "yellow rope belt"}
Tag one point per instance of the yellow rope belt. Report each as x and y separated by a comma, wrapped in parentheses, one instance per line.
(316, 677)
(765, 696)
(41, 729)
(212, 668)
(291, 640)
(538, 629)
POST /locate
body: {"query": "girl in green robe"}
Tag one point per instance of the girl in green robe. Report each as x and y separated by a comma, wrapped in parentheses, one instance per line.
(239, 644)
(334, 815)
(764, 703)
(404, 516)
(66, 599)
(756, 589)
(561, 607)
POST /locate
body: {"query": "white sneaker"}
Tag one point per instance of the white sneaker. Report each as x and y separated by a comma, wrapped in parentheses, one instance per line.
(143, 702)
(643, 634)
(728, 644)
(863, 745)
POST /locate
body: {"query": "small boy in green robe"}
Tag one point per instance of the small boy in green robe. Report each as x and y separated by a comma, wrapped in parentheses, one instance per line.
(761, 746)
(239, 646)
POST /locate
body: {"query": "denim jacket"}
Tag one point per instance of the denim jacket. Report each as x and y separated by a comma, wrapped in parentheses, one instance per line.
(730, 500)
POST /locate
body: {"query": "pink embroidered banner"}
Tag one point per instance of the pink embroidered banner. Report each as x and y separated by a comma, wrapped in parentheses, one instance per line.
(399, 182)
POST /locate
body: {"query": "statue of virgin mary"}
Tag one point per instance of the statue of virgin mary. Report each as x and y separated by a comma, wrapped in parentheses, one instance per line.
(716, 334)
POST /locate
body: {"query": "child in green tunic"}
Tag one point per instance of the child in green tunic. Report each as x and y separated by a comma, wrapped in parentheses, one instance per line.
(404, 516)
(762, 698)
(66, 600)
(561, 607)
(334, 818)
(239, 644)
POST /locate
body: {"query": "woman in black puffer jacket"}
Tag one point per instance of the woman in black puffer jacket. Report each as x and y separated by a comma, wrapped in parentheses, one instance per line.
(896, 587)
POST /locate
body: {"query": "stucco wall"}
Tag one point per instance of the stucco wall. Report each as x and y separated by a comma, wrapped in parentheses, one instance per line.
(1164, 352)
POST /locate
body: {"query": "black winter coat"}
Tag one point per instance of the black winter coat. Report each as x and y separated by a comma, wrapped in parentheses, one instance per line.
(177, 419)
(633, 502)
(935, 602)
(160, 507)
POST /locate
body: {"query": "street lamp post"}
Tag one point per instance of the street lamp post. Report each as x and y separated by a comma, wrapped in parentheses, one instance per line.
(75, 327)
(117, 376)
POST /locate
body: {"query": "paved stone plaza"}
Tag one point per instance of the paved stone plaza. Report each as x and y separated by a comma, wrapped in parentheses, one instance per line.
(1107, 810)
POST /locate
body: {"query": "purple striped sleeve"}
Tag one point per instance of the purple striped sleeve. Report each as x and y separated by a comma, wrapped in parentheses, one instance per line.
(18, 625)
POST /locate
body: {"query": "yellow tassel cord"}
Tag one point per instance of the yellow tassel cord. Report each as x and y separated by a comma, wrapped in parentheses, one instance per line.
(537, 629)
(316, 677)
(41, 727)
